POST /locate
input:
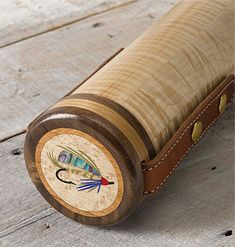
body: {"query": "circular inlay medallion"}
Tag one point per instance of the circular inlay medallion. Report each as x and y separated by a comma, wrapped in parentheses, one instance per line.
(79, 172)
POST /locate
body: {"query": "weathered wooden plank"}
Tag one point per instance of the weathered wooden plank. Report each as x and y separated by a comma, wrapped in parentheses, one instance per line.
(20, 19)
(194, 208)
(37, 72)
(16, 190)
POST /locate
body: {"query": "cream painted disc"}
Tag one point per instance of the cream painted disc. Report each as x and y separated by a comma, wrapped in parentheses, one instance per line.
(79, 172)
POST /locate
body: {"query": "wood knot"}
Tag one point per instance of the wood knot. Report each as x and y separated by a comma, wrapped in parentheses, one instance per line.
(47, 225)
(98, 24)
(17, 151)
(228, 233)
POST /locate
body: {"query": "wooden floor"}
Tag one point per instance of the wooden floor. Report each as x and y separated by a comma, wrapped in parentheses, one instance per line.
(45, 50)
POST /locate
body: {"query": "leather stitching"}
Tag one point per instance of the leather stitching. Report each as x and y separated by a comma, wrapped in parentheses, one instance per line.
(172, 147)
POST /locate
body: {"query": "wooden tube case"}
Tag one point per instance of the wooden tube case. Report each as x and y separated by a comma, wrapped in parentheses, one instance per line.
(117, 137)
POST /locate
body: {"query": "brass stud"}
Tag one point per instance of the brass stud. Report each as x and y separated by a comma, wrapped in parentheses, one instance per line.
(223, 103)
(197, 131)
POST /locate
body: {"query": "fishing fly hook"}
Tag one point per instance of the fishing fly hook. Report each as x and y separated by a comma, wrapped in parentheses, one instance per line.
(64, 181)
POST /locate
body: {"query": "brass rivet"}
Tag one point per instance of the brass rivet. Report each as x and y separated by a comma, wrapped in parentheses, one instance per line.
(197, 131)
(223, 103)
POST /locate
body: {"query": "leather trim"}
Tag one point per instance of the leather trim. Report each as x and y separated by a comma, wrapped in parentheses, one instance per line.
(157, 170)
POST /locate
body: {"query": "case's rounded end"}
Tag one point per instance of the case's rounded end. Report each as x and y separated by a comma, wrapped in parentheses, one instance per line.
(83, 166)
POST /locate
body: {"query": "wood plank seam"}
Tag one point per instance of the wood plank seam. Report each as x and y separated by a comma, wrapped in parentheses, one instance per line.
(12, 136)
(84, 80)
(67, 24)
(25, 74)
(27, 224)
(214, 215)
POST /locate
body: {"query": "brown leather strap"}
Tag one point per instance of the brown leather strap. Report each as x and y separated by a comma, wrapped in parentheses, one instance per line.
(157, 170)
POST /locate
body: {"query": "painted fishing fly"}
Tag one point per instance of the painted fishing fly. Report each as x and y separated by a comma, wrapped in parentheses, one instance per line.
(80, 163)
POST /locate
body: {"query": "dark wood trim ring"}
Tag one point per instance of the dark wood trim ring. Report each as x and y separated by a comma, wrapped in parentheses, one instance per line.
(107, 134)
(132, 120)
(83, 81)
(138, 181)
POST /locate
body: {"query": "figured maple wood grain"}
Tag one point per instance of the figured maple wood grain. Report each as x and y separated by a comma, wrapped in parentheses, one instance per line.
(160, 79)
(194, 209)
(163, 75)
(59, 60)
